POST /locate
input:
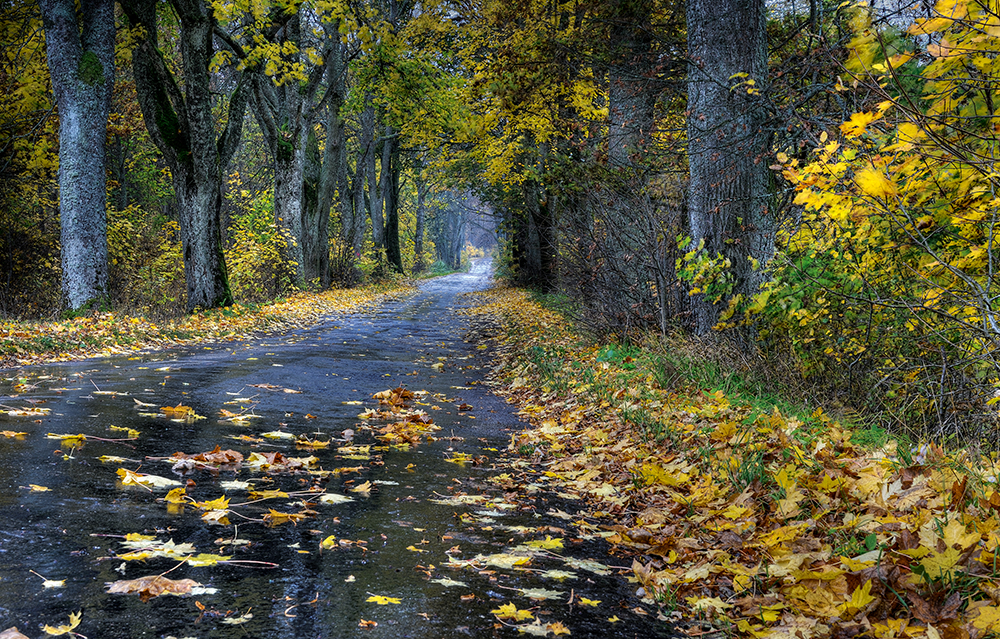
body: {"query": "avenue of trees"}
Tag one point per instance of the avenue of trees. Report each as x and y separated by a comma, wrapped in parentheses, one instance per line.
(812, 182)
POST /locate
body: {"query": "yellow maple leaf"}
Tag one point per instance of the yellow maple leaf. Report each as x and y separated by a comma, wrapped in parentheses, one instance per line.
(860, 599)
(132, 478)
(220, 503)
(938, 565)
(857, 124)
(708, 603)
(874, 183)
(547, 544)
(557, 628)
(175, 496)
(988, 619)
(588, 602)
(362, 488)
(380, 600)
(74, 621)
(510, 611)
(955, 535)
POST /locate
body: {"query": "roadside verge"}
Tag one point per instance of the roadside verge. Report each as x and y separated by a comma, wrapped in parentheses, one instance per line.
(760, 524)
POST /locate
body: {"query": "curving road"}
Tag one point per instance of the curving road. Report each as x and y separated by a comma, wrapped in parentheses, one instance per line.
(391, 541)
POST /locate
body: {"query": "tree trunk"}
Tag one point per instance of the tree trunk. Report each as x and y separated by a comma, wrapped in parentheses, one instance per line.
(418, 234)
(281, 113)
(375, 187)
(182, 124)
(727, 196)
(316, 214)
(80, 49)
(390, 183)
(630, 98)
(289, 163)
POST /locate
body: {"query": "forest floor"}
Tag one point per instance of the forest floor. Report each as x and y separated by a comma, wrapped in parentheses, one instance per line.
(731, 517)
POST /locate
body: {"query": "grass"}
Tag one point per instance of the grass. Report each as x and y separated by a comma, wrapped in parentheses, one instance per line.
(689, 364)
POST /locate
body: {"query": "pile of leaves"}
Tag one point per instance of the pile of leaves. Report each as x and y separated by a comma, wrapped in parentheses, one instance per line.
(103, 334)
(762, 524)
(410, 425)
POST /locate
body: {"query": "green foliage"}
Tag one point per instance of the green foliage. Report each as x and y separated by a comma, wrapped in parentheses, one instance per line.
(258, 268)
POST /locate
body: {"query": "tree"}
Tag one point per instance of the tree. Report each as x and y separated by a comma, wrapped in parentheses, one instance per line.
(727, 193)
(182, 124)
(80, 47)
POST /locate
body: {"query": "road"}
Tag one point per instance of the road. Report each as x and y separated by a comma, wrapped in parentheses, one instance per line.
(64, 512)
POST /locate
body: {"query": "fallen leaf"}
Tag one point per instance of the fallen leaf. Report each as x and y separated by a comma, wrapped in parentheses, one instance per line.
(382, 601)
(448, 583)
(275, 518)
(12, 633)
(74, 621)
(541, 593)
(235, 621)
(132, 478)
(547, 544)
(153, 586)
(510, 611)
(362, 488)
(588, 602)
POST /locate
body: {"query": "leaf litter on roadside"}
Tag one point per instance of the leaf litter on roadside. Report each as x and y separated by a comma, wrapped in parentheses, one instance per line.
(763, 524)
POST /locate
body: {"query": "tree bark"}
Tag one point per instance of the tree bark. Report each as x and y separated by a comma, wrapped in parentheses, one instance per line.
(631, 101)
(418, 233)
(375, 186)
(182, 125)
(390, 196)
(727, 197)
(80, 48)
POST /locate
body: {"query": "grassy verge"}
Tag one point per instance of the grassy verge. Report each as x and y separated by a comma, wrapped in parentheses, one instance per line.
(101, 334)
(762, 516)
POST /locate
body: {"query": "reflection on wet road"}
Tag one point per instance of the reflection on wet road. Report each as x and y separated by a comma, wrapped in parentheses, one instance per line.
(64, 513)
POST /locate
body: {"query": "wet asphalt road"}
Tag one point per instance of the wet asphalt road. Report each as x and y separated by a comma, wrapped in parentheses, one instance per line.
(72, 531)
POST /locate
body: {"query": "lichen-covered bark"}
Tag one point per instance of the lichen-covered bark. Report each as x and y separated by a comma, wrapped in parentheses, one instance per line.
(182, 124)
(727, 195)
(390, 183)
(80, 51)
(375, 187)
(316, 201)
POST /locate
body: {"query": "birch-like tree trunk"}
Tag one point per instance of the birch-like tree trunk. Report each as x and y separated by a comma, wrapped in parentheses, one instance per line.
(80, 47)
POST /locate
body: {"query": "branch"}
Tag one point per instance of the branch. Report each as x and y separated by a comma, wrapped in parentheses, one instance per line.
(230, 42)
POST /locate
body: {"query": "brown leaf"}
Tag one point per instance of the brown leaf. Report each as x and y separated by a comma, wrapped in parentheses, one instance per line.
(958, 492)
(12, 633)
(214, 456)
(152, 586)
